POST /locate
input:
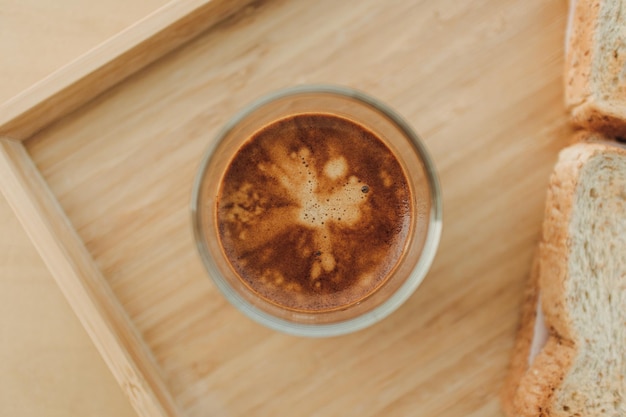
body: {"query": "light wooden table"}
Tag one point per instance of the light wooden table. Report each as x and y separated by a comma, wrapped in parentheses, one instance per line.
(483, 83)
(48, 365)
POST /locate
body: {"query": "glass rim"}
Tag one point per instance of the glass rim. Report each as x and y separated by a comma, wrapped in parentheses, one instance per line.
(411, 283)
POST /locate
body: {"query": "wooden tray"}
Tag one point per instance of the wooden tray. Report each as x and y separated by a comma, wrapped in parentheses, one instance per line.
(98, 162)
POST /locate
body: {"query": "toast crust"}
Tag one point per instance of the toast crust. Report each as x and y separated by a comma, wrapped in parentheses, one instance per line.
(578, 51)
(604, 117)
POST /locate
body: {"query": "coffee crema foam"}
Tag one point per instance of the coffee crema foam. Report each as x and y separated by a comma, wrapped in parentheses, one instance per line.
(313, 212)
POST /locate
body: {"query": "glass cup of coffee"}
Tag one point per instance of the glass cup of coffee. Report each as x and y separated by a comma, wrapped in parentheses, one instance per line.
(317, 211)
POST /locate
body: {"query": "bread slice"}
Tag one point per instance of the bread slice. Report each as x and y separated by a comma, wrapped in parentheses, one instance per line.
(578, 283)
(595, 72)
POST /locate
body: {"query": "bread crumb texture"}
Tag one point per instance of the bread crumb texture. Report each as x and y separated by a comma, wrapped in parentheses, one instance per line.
(581, 370)
(595, 293)
(595, 65)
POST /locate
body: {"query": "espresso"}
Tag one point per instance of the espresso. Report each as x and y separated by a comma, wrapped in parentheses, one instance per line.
(313, 212)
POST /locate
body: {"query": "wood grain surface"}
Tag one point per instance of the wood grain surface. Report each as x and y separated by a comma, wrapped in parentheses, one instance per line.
(38, 37)
(48, 364)
(65, 255)
(480, 81)
(102, 67)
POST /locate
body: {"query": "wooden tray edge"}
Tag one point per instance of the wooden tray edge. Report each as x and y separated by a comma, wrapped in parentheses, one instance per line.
(82, 283)
(109, 63)
(41, 215)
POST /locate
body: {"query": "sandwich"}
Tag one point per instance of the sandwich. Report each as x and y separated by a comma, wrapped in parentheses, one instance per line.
(570, 354)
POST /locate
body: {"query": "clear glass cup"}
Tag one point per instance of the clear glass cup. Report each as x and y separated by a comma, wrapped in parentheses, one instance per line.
(421, 244)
